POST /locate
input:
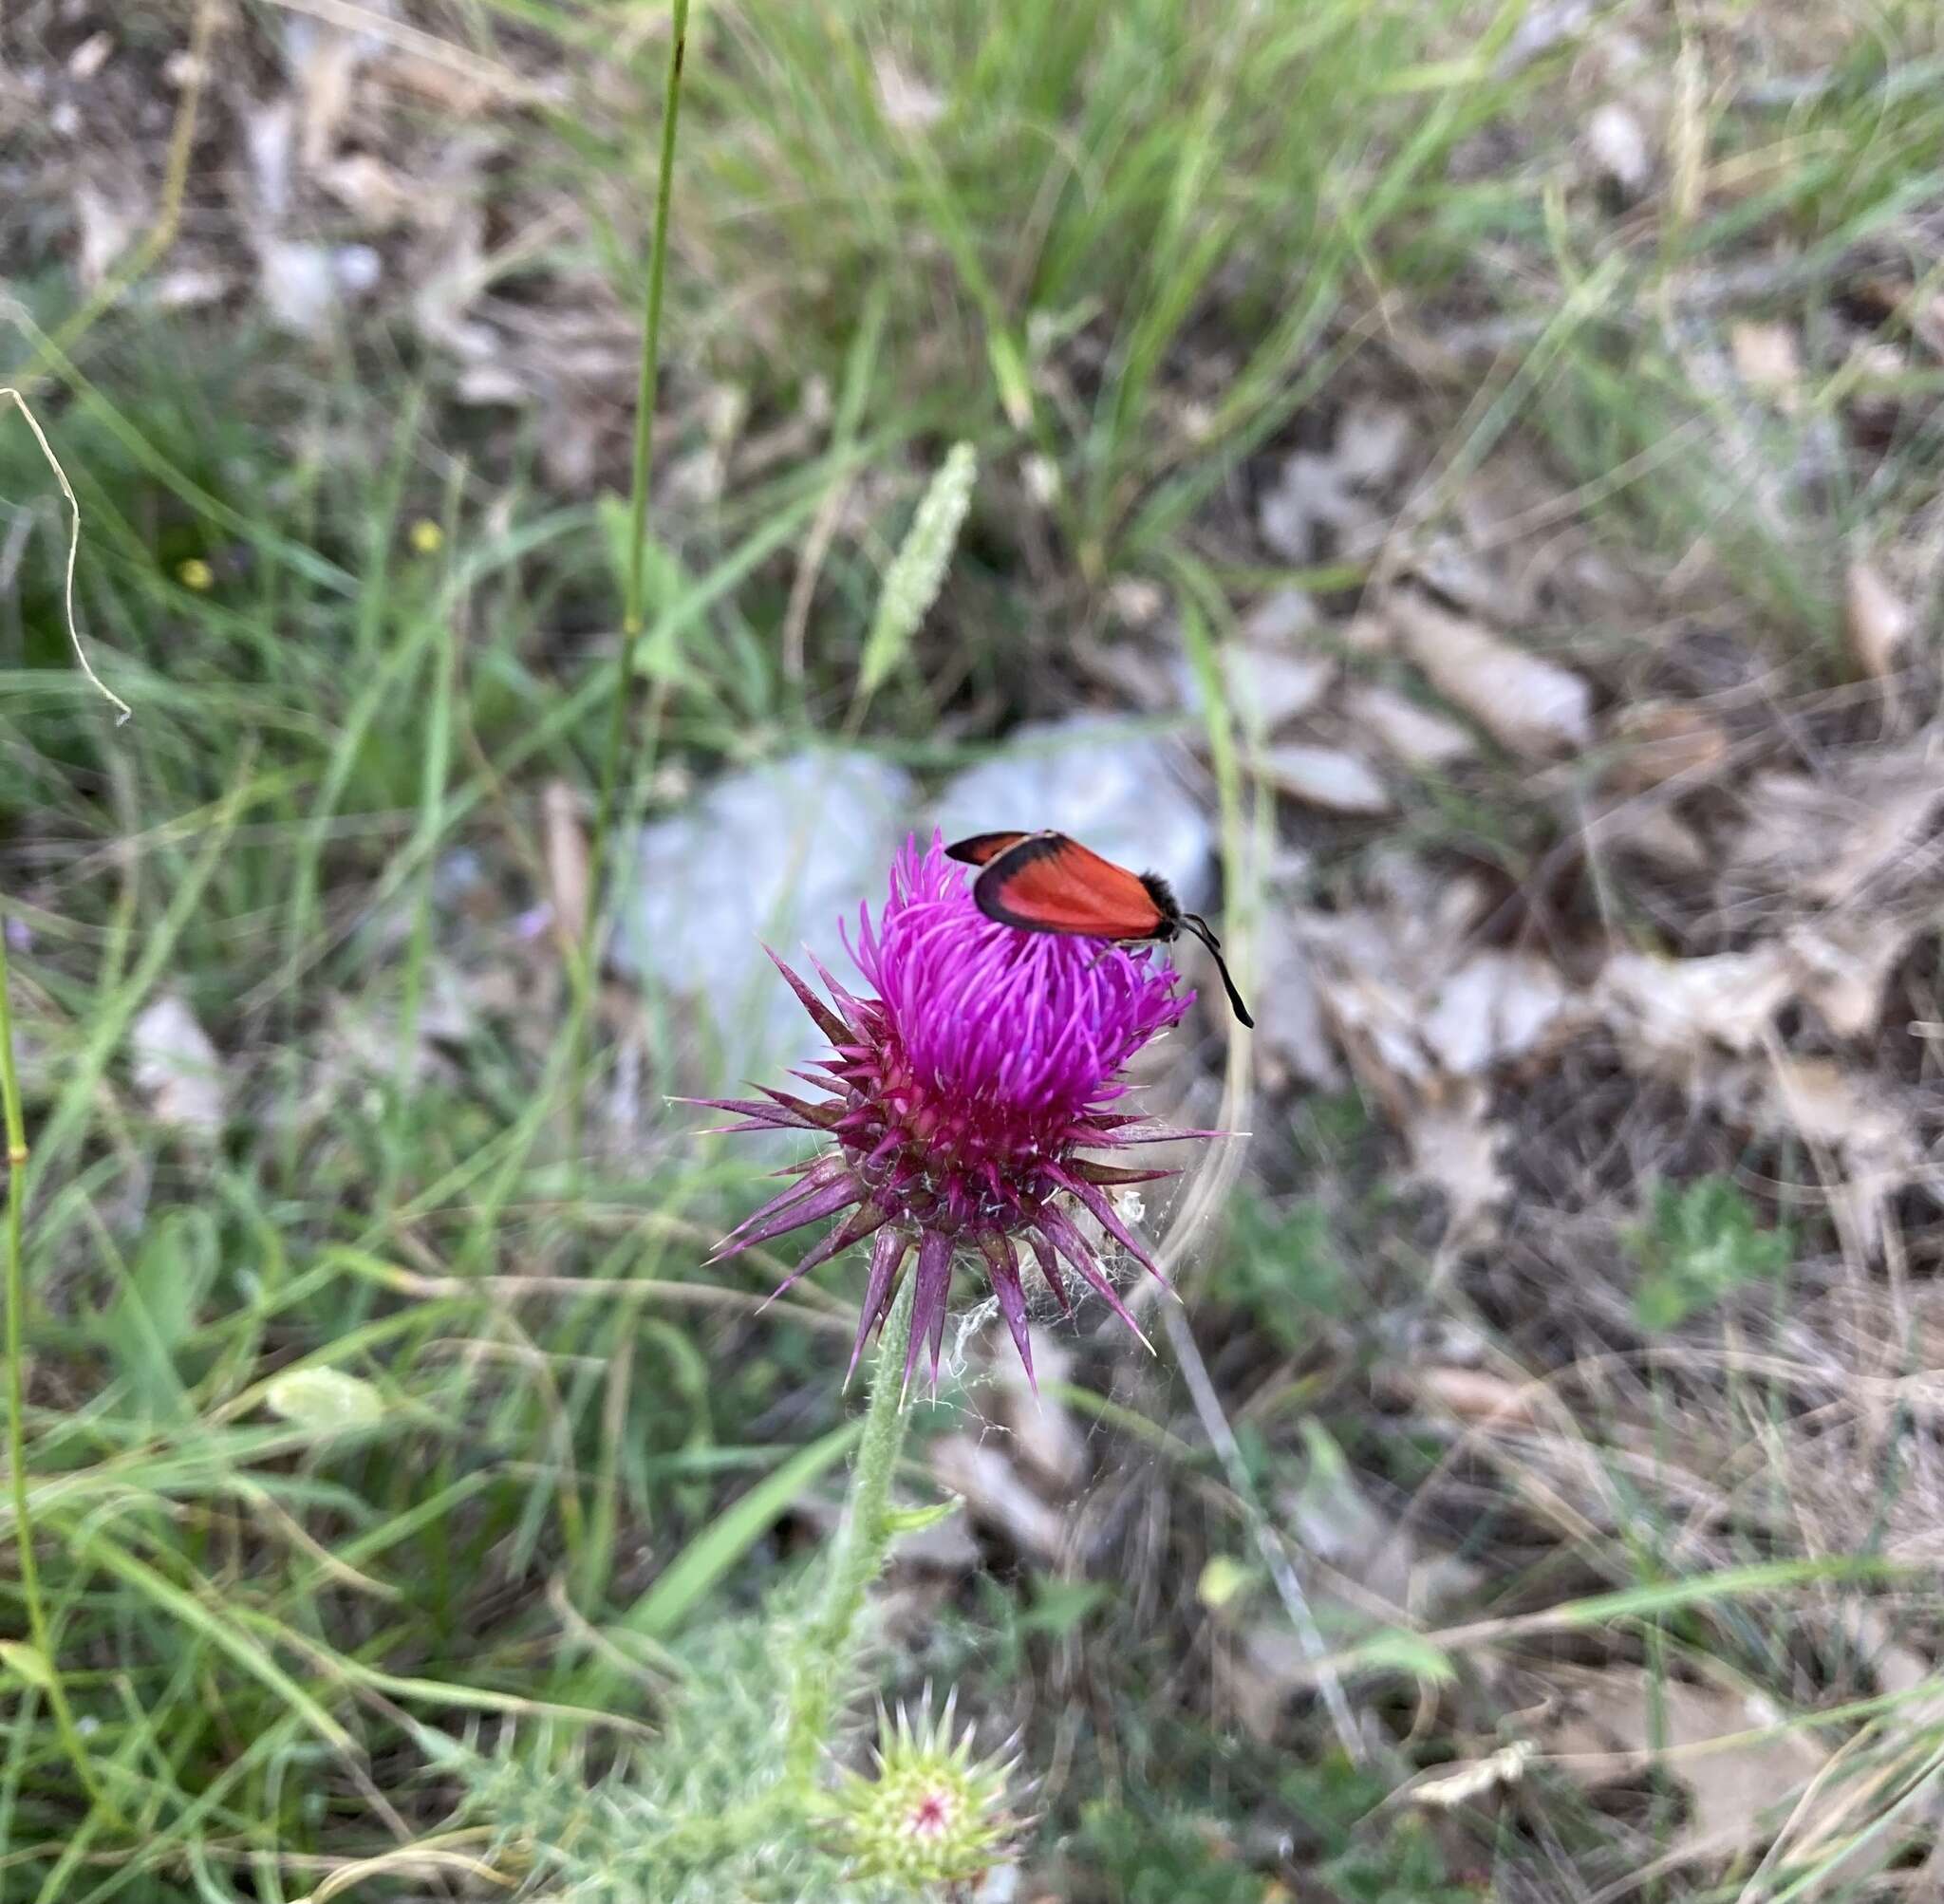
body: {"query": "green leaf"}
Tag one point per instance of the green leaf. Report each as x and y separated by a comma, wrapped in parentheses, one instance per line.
(1401, 1651)
(915, 1519)
(1222, 1579)
(1700, 1243)
(706, 1559)
(148, 1322)
(28, 1663)
(326, 1401)
(191, 1612)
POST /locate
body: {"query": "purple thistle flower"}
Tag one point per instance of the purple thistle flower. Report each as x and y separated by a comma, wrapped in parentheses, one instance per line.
(962, 1101)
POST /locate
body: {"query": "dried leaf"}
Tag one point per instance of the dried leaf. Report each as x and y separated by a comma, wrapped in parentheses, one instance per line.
(1268, 688)
(89, 57)
(1413, 733)
(1876, 621)
(1497, 1005)
(1476, 1395)
(326, 61)
(299, 284)
(1311, 508)
(1842, 965)
(1769, 362)
(371, 190)
(1737, 1792)
(1290, 1032)
(325, 1401)
(1472, 1782)
(1656, 833)
(569, 879)
(1373, 439)
(106, 228)
(1323, 777)
(177, 1067)
(1675, 1011)
(1848, 1118)
(1044, 1434)
(1661, 741)
(1829, 840)
(1454, 1147)
(1332, 1518)
(1534, 706)
(995, 1493)
(1279, 619)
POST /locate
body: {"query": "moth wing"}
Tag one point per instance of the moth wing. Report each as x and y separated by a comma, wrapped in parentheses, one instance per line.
(1047, 883)
(982, 848)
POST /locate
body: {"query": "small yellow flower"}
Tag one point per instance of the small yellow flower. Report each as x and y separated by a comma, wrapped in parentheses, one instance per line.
(196, 573)
(425, 536)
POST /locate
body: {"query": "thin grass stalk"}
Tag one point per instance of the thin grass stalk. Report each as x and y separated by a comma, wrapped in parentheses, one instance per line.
(45, 1669)
(825, 1648)
(634, 588)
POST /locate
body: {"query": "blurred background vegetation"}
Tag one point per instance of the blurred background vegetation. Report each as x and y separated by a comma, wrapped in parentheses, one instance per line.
(1489, 452)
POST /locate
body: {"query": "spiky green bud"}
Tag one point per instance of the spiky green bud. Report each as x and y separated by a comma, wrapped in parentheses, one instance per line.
(929, 1812)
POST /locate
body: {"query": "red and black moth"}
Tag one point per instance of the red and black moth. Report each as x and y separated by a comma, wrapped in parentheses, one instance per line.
(1045, 881)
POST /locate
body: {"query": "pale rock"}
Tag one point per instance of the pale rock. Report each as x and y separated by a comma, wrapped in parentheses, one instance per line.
(1115, 789)
(1283, 616)
(1769, 362)
(775, 855)
(1373, 439)
(1617, 144)
(177, 1067)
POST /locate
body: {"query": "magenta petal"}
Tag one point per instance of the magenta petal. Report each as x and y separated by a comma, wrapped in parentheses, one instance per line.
(826, 1201)
(885, 1255)
(1003, 1265)
(934, 1275)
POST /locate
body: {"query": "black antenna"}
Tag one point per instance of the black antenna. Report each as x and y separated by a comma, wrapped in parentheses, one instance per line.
(1200, 927)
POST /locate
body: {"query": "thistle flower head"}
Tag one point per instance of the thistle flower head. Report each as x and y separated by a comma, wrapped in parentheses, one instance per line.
(928, 1812)
(963, 1102)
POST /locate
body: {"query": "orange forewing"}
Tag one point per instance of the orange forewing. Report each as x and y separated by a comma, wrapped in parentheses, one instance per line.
(982, 848)
(1047, 883)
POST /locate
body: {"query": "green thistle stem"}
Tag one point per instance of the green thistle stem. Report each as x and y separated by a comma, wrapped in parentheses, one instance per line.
(46, 1670)
(825, 1649)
